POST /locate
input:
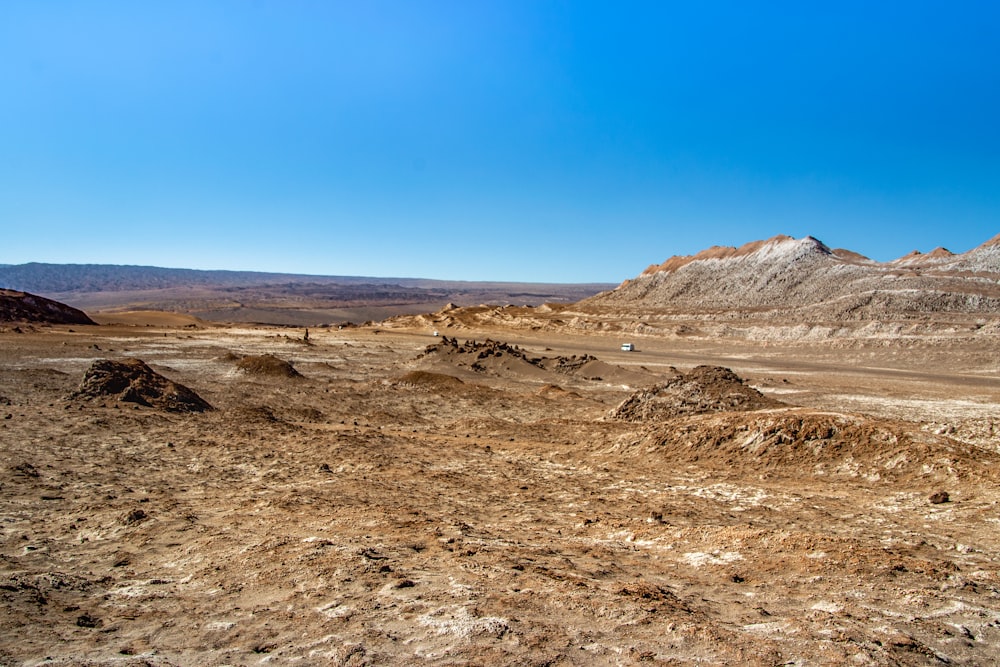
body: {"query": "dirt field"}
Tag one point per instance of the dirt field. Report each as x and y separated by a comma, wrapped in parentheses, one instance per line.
(480, 504)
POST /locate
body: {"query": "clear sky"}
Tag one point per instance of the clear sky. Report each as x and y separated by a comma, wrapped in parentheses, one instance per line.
(534, 140)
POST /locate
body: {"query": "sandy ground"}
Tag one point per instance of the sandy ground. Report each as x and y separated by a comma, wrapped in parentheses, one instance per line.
(393, 508)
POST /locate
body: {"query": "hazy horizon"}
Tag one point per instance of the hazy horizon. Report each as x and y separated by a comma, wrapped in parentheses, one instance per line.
(388, 277)
(494, 141)
(286, 273)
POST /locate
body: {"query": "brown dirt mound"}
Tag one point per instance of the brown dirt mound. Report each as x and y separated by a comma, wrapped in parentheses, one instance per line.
(430, 380)
(487, 357)
(267, 364)
(821, 443)
(23, 307)
(704, 389)
(253, 415)
(132, 381)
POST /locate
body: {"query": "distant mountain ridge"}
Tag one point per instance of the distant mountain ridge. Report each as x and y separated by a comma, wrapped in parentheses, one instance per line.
(43, 277)
(270, 298)
(783, 275)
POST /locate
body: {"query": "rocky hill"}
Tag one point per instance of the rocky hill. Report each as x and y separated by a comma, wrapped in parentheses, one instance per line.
(805, 278)
(23, 307)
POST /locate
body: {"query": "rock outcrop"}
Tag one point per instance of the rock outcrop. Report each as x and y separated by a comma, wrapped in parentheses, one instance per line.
(24, 307)
(704, 389)
(132, 381)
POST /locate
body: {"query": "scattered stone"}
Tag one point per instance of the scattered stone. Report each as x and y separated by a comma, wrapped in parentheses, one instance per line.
(939, 497)
(487, 351)
(134, 517)
(25, 470)
(88, 621)
(646, 591)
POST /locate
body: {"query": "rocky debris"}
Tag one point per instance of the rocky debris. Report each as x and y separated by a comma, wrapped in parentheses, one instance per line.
(132, 381)
(704, 389)
(570, 364)
(24, 307)
(25, 470)
(483, 350)
(267, 365)
(134, 517)
(654, 597)
(502, 360)
(86, 620)
(646, 591)
(939, 497)
(480, 354)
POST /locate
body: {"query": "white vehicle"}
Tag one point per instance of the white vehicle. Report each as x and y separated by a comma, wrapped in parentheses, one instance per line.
(628, 347)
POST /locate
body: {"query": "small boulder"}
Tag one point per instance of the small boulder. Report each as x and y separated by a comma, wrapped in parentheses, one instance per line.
(939, 497)
(134, 517)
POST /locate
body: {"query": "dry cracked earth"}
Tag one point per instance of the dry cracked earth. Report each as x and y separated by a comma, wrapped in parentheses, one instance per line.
(382, 496)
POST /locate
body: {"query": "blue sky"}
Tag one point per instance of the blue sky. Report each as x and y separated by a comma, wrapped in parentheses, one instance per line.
(536, 140)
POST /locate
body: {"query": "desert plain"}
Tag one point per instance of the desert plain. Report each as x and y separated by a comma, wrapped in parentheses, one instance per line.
(503, 486)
